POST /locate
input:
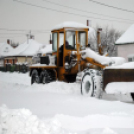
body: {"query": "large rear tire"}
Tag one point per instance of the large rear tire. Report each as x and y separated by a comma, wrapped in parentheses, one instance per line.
(87, 85)
(35, 77)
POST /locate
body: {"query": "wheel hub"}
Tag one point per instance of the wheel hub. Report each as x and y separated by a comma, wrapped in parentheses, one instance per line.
(87, 86)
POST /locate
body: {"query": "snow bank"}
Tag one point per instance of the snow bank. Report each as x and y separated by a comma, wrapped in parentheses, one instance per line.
(69, 24)
(127, 37)
(120, 87)
(129, 65)
(102, 59)
(22, 121)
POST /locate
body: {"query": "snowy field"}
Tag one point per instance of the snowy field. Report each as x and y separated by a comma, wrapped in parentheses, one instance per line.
(58, 108)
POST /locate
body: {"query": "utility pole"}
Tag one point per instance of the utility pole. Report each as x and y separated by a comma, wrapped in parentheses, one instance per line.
(28, 36)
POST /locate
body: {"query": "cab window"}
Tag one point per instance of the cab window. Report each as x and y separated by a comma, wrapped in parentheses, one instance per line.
(82, 38)
(54, 43)
(70, 40)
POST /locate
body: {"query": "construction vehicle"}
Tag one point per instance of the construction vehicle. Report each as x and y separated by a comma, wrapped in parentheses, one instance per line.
(66, 62)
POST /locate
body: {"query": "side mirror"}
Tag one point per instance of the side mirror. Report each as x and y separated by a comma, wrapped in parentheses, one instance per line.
(88, 45)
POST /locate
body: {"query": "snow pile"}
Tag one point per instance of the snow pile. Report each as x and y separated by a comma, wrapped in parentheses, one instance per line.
(120, 87)
(129, 65)
(127, 37)
(102, 59)
(46, 49)
(22, 121)
(69, 24)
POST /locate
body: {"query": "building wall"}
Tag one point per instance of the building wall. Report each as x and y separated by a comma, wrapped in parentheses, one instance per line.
(125, 50)
(18, 59)
(25, 59)
(10, 60)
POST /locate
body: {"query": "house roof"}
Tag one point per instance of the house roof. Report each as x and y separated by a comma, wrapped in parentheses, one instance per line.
(127, 37)
(46, 49)
(5, 49)
(26, 49)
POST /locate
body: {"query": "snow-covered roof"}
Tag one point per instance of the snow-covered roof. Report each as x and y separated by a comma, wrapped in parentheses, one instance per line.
(26, 49)
(69, 24)
(1, 44)
(127, 37)
(5, 49)
(46, 49)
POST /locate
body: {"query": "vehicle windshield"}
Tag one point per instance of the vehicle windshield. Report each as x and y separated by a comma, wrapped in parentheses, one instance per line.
(54, 40)
(70, 40)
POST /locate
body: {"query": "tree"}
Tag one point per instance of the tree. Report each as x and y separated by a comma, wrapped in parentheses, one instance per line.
(108, 39)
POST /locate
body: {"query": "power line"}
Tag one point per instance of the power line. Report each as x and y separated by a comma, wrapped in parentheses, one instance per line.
(12, 33)
(118, 8)
(77, 9)
(6, 29)
(12, 37)
(66, 12)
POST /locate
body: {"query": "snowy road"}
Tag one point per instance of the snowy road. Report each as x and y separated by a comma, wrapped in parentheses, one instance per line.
(63, 103)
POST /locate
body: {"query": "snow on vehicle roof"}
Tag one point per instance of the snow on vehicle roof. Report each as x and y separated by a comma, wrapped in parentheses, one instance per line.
(127, 37)
(26, 49)
(5, 49)
(102, 59)
(46, 49)
(69, 24)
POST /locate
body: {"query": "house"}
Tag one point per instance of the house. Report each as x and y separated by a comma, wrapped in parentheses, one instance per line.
(23, 53)
(125, 44)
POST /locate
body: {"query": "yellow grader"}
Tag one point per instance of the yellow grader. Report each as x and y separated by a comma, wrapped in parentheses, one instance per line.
(65, 63)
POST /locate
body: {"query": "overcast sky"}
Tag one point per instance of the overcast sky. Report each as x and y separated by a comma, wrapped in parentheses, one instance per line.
(17, 16)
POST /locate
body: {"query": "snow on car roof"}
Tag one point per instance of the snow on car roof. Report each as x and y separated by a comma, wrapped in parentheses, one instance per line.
(69, 24)
(127, 37)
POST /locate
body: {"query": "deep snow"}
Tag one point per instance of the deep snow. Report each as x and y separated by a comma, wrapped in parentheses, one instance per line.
(60, 109)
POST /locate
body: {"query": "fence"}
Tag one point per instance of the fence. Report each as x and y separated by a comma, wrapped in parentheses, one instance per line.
(17, 67)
